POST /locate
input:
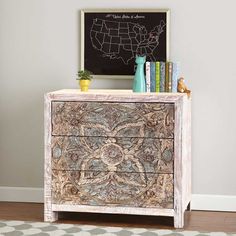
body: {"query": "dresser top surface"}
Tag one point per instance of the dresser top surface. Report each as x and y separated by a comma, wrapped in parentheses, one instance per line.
(113, 95)
(111, 92)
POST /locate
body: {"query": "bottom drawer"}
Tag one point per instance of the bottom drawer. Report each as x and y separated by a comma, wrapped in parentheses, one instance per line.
(112, 188)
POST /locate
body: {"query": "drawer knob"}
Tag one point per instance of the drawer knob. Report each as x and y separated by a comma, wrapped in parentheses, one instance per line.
(167, 155)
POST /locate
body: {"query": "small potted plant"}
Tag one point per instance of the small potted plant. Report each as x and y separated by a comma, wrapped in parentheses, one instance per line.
(84, 78)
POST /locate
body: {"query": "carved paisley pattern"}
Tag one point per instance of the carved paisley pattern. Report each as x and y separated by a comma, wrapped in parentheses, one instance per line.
(157, 191)
(96, 119)
(108, 159)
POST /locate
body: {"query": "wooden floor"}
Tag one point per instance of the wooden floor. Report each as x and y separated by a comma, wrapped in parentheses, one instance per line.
(194, 220)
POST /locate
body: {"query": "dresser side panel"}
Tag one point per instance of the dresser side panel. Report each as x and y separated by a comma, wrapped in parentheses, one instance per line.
(178, 168)
(186, 151)
(49, 215)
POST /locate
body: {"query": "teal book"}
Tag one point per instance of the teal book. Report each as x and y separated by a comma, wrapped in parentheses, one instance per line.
(157, 76)
(162, 76)
(153, 77)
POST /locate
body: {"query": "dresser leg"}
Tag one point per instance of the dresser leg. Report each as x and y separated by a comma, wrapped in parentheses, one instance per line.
(50, 216)
(179, 220)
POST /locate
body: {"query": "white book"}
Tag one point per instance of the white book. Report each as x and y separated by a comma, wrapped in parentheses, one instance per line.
(175, 76)
(148, 77)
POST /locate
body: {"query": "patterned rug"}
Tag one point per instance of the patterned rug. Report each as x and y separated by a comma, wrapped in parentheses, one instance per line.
(17, 228)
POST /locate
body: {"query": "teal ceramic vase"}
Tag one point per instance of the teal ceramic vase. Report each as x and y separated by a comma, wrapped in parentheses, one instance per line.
(139, 84)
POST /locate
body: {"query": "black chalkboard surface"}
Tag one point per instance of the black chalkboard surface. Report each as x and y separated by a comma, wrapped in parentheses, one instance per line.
(113, 39)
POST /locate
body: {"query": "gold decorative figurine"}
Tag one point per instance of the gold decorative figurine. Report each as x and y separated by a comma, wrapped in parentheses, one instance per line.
(182, 88)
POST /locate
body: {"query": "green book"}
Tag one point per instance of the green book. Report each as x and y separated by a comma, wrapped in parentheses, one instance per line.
(167, 78)
(157, 76)
(170, 76)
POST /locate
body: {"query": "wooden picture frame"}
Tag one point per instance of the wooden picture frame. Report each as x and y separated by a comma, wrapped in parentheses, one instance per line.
(111, 39)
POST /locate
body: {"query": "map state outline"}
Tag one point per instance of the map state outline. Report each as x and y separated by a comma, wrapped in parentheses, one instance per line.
(124, 40)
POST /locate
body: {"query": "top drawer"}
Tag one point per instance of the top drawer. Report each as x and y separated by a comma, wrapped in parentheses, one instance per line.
(103, 119)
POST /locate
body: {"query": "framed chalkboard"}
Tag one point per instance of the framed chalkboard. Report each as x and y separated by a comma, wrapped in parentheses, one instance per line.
(111, 39)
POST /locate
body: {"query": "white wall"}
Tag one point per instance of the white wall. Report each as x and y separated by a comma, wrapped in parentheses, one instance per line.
(39, 52)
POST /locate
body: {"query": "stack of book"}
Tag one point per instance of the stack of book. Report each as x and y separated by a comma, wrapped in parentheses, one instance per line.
(162, 76)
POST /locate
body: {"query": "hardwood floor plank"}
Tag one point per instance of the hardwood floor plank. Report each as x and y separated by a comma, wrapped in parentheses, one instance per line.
(194, 220)
(21, 211)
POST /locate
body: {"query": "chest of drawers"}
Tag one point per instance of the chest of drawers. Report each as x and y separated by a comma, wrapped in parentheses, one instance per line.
(113, 151)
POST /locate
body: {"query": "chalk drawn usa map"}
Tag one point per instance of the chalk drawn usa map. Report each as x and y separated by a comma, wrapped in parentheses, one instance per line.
(125, 40)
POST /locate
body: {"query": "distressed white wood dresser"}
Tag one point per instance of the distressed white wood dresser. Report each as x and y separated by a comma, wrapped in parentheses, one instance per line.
(115, 151)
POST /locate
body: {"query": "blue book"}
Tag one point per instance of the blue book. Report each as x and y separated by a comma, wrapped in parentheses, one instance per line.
(162, 76)
(153, 77)
(175, 76)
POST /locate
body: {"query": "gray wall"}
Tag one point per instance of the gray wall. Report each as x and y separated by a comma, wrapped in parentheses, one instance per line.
(39, 52)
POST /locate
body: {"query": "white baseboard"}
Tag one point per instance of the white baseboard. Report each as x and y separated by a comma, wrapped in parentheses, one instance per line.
(199, 201)
(207, 202)
(20, 194)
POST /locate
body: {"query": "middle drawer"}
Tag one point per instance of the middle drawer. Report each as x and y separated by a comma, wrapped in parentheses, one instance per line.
(116, 154)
